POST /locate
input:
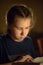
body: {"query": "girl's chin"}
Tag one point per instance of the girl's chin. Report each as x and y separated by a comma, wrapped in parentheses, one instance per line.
(21, 39)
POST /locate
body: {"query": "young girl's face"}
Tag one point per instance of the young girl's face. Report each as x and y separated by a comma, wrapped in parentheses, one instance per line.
(20, 29)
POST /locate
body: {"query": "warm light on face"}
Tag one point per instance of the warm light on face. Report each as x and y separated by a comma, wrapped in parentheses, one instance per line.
(21, 28)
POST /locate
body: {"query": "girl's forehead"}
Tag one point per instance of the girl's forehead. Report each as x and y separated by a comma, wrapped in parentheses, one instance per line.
(22, 22)
(22, 18)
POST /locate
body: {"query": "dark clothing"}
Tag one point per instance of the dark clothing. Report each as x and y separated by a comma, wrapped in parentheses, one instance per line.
(10, 48)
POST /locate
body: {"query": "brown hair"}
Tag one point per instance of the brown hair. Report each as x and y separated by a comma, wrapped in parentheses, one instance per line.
(18, 11)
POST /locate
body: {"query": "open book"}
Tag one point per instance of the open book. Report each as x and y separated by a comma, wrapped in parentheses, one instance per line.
(38, 60)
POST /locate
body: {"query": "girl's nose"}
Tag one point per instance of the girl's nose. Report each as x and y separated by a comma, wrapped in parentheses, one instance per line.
(23, 32)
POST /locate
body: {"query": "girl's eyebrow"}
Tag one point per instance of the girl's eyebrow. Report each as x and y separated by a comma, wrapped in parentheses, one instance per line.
(21, 27)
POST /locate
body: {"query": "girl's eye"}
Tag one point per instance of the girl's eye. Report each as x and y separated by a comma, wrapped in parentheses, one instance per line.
(27, 27)
(17, 27)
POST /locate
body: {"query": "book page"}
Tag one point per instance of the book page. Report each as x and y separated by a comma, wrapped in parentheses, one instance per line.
(38, 60)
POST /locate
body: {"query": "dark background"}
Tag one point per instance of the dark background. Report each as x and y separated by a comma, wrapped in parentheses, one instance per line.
(36, 5)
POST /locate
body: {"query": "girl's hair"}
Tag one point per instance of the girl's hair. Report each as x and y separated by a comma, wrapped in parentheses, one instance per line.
(18, 11)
